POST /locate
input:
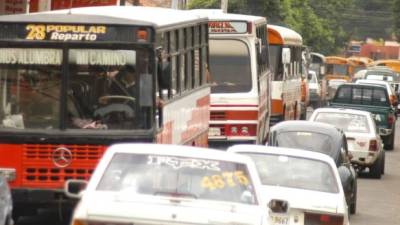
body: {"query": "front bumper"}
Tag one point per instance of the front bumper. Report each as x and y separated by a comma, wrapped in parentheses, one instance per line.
(223, 144)
(40, 197)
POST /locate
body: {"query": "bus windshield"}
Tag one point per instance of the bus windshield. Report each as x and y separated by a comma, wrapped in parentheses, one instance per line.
(230, 66)
(98, 91)
(336, 69)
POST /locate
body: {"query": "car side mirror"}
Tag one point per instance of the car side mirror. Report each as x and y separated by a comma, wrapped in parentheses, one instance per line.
(345, 177)
(75, 188)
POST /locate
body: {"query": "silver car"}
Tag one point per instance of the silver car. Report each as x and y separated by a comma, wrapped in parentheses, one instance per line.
(5, 202)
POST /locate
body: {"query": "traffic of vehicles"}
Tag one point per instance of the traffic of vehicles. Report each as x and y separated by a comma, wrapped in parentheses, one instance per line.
(114, 108)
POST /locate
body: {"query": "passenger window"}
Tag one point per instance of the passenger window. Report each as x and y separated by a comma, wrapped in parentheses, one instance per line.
(343, 94)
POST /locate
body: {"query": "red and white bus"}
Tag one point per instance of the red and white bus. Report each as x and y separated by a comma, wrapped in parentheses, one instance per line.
(239, 79)
(286, 47)
(73, 82)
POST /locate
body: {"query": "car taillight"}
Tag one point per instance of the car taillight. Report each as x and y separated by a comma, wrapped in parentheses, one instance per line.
(373, 145)
(390, 119)
(322, 219)
(392, 99)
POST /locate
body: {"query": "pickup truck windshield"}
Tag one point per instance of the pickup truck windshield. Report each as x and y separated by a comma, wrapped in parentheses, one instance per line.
(363, 95)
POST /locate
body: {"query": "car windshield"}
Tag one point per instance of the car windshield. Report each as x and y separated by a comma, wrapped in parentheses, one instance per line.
(197, 178)
(295, 172)
(311, 141)
(230, 66)
(345, 121)
(364, 95)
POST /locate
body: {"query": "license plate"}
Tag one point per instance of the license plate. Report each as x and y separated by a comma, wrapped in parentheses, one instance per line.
(279, 219)
(214, 131)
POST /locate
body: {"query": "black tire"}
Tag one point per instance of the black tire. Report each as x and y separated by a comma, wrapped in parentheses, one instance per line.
(9, 221)
(383, 163)
(375, 171)
(390, 143)
(353, 205)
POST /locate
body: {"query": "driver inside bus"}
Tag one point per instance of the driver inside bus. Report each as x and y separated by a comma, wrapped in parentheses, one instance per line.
(118, 105)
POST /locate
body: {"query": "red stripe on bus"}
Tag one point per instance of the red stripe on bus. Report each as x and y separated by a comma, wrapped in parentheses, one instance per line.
(234, 105)
(204, 101)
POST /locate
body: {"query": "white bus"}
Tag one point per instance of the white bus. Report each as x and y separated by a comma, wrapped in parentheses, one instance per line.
(240, 78)
(72, 82)
(285, 48)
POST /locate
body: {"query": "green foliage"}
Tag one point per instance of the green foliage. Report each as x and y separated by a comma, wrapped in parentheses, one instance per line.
(396, 18)
(234, 6)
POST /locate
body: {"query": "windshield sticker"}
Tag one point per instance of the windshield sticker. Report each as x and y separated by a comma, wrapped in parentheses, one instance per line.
(30, 56)
(178, 163)
(63, 32)
(304, 134)
(225, 179)
(103, 57)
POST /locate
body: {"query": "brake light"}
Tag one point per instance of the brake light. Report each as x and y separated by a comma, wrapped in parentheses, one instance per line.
(390, 119)
(322, 219)
(373, 145)
(249, 28)
(392, 99)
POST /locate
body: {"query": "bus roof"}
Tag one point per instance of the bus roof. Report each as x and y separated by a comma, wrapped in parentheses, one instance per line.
(217, 15)
(283, 36)
(126, 15)
(335, 60)
(319, 56)
(359, 60)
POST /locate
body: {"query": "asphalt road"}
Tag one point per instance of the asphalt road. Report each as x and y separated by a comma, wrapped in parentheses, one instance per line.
(378, 201)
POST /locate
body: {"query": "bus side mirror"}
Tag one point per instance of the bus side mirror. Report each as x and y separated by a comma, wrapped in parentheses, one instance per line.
(263, 55)
(322, 70)
(164, 75)
(285, 55)
(146, 84)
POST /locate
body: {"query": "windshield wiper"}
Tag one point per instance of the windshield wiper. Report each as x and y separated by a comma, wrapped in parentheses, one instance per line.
(176, 194)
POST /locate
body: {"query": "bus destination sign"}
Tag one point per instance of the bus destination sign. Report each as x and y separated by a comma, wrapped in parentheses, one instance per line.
(64, 32)
(231, 27)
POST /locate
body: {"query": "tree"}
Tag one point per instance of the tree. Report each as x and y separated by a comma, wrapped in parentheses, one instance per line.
(396, 18)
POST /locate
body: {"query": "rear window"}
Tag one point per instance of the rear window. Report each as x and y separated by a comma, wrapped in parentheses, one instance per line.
(362, 95)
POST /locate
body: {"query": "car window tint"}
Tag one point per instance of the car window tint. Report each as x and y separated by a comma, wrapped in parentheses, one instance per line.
(345, 121)
(295, 172)
(312, 141)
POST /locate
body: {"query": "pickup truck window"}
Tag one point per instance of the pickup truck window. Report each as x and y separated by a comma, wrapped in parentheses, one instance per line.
(363, 95)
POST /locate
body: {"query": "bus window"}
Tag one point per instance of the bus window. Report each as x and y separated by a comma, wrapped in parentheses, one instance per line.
(30, 88)
(230, 66)
(275, 61)
(113, 101)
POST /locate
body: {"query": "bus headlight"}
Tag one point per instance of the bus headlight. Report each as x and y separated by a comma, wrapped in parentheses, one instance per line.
(8, 173)
(234, 130)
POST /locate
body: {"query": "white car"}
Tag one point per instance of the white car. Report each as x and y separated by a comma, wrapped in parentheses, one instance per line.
(363, 139)
(5, 202)
(301, 187)
(169, 184)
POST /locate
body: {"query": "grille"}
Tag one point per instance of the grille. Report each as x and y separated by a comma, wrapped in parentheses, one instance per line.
(40, 171)
(217, 115)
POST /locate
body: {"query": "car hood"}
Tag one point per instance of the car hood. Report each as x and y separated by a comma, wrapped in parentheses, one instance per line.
(305, 199)
(144, 209)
